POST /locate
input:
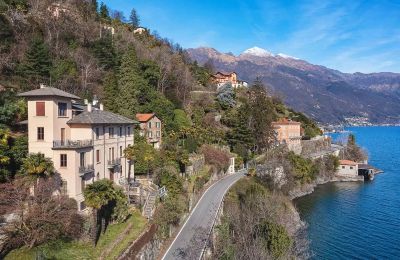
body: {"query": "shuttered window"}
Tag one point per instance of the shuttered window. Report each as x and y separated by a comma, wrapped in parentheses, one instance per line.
(40, 109)
(63, 160)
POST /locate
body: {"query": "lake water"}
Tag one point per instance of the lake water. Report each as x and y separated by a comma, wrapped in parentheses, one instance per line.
(359, 220)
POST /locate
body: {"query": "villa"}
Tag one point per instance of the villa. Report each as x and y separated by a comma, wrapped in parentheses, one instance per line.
(221, 78)
(150, 127)
(288, 132)
(85, 142)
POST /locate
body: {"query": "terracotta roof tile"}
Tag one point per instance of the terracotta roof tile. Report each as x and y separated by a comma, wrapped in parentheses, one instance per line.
(144, 117)
(348, 162)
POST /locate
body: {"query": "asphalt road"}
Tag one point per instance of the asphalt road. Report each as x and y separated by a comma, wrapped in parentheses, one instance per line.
(192, 237)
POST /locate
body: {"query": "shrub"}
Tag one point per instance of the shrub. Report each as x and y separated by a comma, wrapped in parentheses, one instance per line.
(277, 240)
(215, 157)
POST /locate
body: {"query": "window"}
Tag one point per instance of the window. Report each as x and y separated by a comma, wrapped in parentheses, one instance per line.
(343, 167)
(40, 109)
(120, 131)
(98, 156)
(97, 133)
(111, 132)
(129, 131)
(351, 167)
(158, 125)
(158, 133)
(149, 124)
(82, 159)
(40, 133)
(83, 184)
(62, 109)
(120, 151)
(63, 188)
(82, 205)
(63, 160)
(150, 134)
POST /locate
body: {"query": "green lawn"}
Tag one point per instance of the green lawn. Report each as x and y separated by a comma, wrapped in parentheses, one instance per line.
(85, 250)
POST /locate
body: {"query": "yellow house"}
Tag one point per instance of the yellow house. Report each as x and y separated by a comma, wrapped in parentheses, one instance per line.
(84, 141)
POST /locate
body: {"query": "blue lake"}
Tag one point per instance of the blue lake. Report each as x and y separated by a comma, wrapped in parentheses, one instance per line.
(359, 220)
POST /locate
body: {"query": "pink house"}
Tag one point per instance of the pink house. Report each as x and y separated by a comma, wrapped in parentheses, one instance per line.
(151, 127)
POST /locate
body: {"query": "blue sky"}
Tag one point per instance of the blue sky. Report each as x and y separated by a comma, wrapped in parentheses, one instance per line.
(347, 35)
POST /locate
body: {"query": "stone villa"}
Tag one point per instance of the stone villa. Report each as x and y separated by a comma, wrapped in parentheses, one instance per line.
(288, 132)
(221, 78)
(151, 126)
(347, 168)
(85, 142)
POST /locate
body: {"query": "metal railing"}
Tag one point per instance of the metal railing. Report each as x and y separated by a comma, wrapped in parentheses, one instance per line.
(86, 169)
(114, 162)
(72, 143)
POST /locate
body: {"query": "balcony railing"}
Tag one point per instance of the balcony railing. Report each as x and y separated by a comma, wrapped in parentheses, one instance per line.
(86, 169)
(113, 163)
(72, 144)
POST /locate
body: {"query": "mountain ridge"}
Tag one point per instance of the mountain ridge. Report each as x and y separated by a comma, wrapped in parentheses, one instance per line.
(327, 95)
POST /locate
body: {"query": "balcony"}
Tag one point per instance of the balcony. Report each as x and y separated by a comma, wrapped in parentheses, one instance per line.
(72, 144)
(113, 163)
(86, 169)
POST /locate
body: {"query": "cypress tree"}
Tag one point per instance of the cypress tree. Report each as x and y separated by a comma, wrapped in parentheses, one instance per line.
(130, 82)
(37, 62)
(111, 92)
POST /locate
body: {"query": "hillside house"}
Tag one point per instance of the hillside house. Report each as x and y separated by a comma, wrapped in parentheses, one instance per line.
(288, 132)
(139, 30)
(221, 78)
(85, 142)
(347, 168)
(150, 127)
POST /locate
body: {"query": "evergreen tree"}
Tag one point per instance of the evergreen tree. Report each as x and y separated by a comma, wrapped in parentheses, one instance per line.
(134, 18)
(37, 62)
(111, 92)
(103, 12)
(130, 82)
(104, 51)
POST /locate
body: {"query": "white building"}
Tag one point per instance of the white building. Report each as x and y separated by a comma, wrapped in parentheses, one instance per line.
(347, 168)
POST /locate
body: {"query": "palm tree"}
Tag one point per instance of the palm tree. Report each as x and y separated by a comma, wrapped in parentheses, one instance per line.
(97, 195)
(36, 164)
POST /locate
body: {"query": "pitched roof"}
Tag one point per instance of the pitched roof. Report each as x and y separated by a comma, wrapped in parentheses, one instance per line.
(348, 162)
(144, 117)
(100, 117)
(285, 121)
(48, 91)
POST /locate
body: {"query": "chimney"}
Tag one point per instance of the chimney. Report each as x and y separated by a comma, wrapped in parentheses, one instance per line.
(95, 100)
(101, 106)
(86, 101)
(42, 85)
(89, 107)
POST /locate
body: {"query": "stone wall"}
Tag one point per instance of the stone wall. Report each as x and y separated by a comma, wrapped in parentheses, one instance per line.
(315, 145)
(196, 164)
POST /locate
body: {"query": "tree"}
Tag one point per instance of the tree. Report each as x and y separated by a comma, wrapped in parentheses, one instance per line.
(103, 12)
(130, 81)
(37, 165)
(134, 18)
(98, 195)
(181, 120)
(143, 154)
(4, 155)
(111, 92)
(226, 96)
(104, 51)
(37, 219)
(262, 114)
(37, 61)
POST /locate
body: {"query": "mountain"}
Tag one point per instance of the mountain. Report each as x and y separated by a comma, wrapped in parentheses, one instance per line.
(326, 95)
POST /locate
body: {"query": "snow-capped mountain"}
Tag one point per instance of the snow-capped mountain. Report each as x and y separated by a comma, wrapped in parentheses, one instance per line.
(257, 51)
(285, 56)
(325, 94)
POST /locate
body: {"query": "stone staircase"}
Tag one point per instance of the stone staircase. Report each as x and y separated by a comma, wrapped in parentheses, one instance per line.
(148, 208)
